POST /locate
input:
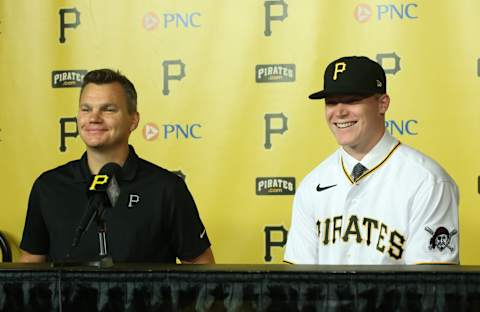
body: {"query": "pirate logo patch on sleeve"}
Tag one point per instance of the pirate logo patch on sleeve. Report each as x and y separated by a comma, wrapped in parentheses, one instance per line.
(441, 238)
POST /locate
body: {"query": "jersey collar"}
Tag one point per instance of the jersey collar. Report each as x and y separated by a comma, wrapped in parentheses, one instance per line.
(373, 159)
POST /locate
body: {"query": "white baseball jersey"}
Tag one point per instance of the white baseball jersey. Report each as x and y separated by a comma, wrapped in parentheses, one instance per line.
(402, 210)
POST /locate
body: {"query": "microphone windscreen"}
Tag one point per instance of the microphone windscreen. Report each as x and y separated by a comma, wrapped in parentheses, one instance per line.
(112, 170)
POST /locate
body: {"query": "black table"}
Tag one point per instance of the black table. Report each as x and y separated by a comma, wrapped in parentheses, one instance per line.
(154, 287)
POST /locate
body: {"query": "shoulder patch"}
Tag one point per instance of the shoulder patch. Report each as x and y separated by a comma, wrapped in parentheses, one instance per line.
(441, 238)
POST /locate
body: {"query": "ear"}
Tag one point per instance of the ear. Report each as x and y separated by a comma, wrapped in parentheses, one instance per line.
(135, 121)
(383, 103)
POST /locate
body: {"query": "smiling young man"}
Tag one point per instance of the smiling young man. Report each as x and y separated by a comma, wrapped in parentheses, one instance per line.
(375, 200)
(155, 218)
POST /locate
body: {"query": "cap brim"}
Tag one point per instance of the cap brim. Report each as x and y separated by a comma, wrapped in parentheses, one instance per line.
(317, 95)
(323, 94)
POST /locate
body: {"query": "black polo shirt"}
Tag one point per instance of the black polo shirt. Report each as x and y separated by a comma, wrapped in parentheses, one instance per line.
(154, 220)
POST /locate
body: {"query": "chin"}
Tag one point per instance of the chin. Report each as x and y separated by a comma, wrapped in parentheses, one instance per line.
(344, 140)
(93, 144)
(92, 140)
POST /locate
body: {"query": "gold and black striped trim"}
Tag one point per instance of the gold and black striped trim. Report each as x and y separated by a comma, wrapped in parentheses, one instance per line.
(441, 263)
(366, 173)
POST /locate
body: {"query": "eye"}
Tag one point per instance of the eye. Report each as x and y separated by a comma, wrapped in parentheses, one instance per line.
(110, 109)
(84, 109)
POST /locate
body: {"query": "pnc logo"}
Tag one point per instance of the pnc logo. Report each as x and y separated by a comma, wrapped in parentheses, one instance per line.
(402, 127)
(172, 20)
(386, 11)
(150, 21)
(150, 132)
(362, 12)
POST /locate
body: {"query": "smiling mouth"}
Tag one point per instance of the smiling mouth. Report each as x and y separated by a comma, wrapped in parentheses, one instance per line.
(343, 125)
(95, 130)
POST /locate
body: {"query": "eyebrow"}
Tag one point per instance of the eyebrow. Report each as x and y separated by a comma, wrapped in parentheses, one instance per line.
(101, 105)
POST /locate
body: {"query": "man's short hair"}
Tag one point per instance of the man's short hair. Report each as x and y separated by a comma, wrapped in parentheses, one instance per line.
(104, 76)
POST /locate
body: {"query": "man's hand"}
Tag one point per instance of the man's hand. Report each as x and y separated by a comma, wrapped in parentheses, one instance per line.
(27, 257)
(205, 258)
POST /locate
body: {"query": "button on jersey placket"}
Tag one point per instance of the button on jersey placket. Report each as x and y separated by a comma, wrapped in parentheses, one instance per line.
(352, 199)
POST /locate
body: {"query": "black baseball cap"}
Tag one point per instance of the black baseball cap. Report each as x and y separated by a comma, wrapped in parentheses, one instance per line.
(352, 75)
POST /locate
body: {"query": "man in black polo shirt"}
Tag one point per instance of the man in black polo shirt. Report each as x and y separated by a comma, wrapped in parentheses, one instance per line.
(155, 219)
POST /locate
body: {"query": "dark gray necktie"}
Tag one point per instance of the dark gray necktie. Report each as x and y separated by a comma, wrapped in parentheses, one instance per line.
(357, 171)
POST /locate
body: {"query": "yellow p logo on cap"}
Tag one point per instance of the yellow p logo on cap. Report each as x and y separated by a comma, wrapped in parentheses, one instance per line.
(98, 179)
(340, 67)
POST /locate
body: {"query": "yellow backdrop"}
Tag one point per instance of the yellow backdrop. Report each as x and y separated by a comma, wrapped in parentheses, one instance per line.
(223, 91)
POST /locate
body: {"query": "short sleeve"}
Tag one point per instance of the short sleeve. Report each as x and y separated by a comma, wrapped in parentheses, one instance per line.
(433, 231)
(35, 238)
(302, 241)
(189, 237)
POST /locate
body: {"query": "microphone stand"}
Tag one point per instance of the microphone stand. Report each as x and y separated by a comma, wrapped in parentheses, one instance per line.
(95, 210)
(105, 261)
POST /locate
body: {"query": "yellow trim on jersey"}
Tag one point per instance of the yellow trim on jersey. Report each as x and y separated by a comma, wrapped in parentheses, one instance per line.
(427, 263)
(370, 170)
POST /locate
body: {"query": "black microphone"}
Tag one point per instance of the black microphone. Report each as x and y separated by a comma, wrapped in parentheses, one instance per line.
(103, 191)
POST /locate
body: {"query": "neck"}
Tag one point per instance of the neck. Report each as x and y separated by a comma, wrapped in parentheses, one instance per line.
(359, 151)
(97, 158)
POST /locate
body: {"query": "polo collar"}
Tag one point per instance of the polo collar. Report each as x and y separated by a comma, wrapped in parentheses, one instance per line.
(129, 168)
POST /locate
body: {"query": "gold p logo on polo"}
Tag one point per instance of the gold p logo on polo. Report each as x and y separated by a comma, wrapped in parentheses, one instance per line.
(340, 67)
(98, 179)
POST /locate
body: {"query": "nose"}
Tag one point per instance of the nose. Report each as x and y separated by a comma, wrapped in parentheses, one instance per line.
(94, 116)
(341, 109)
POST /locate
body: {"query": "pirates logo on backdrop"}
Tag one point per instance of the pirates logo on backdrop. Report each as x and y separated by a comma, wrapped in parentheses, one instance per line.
(272, 119)
(68, 129)
(275, 73)
(69, 18)
(179, 74)
(275, 186)
(390, 62)
(269, 17)
(67, 78)
(478, 67)
(66, 16)
(275, 123)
